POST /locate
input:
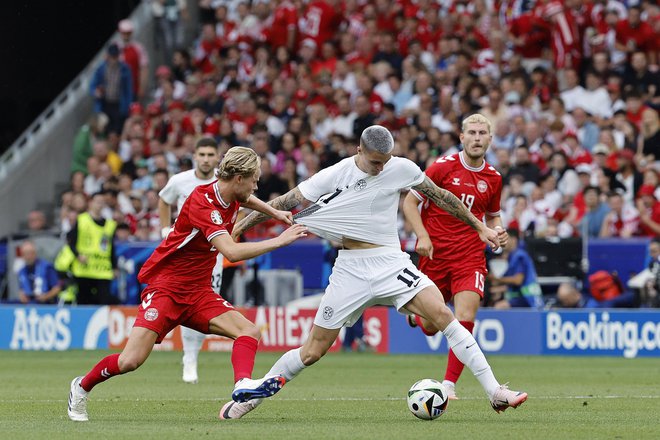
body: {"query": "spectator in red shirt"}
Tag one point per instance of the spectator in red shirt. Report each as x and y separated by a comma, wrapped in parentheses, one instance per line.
(564, 35)
(622, 220)
(634, 108)
(207, 49)
(320, 21)
(137, 58)
(649, 211)
(529, 34)
(634, 34)
(327, 62)
(574, 150)
(283, 28)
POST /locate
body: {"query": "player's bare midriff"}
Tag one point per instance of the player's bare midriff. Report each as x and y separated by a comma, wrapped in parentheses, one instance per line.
(349, 243)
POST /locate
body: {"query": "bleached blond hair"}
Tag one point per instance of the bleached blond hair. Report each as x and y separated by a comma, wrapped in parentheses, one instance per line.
(238, 161)
(476, 118)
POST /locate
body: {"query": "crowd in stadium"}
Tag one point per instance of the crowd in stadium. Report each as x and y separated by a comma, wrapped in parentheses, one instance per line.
(571, 88)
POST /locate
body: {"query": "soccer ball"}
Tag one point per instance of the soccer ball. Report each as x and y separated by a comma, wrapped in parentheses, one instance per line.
(427, 399)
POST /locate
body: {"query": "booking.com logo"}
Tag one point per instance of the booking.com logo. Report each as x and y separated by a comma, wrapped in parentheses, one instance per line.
(597, 332)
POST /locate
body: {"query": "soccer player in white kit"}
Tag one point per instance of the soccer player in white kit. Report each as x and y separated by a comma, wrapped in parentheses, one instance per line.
(356, 203)
(176, 191)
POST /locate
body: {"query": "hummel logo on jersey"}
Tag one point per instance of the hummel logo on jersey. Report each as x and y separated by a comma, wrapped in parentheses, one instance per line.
(208, 198)
(147, 301)
(456, 181)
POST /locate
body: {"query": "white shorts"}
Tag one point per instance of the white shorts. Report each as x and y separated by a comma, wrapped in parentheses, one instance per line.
(216, 275)
(368, 277)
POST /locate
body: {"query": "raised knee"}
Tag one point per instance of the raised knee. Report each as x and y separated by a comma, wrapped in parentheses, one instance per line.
(252, 331)
(441, 318)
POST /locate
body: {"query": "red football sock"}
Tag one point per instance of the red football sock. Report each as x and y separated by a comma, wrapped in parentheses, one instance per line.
(104, 370)
(454, 366)
(242, 357)
(418, 320)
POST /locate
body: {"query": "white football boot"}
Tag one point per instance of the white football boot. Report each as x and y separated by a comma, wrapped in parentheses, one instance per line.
(77, 401)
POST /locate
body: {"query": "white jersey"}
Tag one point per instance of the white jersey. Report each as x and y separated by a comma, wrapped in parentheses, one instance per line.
(180, 186)
(357, 205)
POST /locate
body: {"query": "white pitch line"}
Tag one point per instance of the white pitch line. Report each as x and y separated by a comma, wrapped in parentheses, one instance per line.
(324, 399)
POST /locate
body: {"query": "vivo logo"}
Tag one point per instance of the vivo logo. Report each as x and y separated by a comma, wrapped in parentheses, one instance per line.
(489, 334)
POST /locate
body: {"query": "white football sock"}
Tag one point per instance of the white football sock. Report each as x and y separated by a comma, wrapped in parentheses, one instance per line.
(192, 343)
(468, 351)
(289, 365)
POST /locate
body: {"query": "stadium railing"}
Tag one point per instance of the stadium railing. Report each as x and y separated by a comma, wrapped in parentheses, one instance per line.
(40, 159)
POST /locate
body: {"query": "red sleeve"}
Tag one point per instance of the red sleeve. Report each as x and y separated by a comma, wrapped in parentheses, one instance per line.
(291, 18)
(655, 213)
(206, 217)
(621, 31)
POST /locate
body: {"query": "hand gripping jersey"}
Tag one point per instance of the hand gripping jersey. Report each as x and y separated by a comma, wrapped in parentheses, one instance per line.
(351, 203)
(479, 189)
(186, 256)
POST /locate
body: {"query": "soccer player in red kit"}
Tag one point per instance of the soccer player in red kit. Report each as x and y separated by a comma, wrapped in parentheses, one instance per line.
(451, 254)
(178, 278)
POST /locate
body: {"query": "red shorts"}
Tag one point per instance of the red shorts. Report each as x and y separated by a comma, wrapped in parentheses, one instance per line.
(163, 308)
(454, 278)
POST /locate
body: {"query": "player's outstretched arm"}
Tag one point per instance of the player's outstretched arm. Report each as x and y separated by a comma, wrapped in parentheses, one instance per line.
(242, 251)
(450, 203)
(284, 202)
(424, 246)
(263, 207)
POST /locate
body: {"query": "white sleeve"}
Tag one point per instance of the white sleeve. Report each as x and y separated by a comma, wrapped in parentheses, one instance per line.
(408, 173)
(169, 193)
(319, 184)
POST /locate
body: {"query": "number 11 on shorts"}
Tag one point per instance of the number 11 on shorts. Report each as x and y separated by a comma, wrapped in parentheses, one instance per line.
(406, 279)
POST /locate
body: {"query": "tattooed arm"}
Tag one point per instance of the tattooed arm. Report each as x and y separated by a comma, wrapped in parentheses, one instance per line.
(284, 202)
(450, 203)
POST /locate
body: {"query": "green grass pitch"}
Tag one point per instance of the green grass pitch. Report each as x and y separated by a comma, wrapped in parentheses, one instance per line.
(345, 396)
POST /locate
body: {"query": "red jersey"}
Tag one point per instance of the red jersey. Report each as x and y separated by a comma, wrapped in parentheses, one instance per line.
(285, 17)
(564, 35)
(319, 23)
(654, 213)
(642, 35)
(136, 57)
(535, 33)
(186, 257)
(479, 189)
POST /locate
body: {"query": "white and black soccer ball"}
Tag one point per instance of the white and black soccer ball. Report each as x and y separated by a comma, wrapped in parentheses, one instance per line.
(427, 399)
